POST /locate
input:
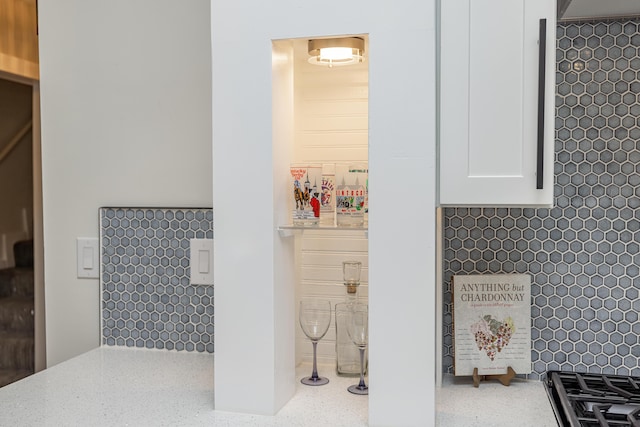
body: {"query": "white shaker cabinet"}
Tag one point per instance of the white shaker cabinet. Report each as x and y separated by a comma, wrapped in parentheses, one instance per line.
(496, 102)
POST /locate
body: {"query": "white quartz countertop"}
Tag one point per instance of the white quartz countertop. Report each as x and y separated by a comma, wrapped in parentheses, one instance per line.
(524, 403)
(118, 386)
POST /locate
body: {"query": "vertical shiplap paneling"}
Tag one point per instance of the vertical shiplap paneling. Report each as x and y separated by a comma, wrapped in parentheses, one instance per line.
(331, 126)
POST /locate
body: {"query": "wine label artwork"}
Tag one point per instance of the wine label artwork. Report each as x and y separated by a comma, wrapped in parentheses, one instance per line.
(492, 323)
(492, 335)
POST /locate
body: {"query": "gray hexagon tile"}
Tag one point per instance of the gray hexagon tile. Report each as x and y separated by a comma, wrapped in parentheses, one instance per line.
(582, 254)
(147, 298)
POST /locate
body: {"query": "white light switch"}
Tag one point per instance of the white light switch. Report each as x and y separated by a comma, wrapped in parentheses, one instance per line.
(204, 261)
(201, 261)
(88, 257)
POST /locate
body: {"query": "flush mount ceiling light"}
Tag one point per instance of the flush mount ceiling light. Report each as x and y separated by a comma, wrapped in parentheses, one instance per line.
(334, 52)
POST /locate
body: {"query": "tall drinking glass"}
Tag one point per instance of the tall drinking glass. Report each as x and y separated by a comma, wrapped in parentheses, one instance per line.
(358, 328)
(351, 272)
(315, 317)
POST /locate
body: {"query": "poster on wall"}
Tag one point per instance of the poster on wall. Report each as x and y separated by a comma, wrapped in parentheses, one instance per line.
(492, 323)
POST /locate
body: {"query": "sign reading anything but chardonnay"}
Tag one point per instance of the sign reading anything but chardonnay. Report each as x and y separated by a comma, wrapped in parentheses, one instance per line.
(492, 323)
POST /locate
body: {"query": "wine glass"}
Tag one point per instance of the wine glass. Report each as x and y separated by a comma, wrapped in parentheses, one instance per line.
(358, 329)
(315, 317)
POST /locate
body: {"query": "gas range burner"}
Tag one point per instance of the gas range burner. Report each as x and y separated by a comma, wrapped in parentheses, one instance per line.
(589, 400)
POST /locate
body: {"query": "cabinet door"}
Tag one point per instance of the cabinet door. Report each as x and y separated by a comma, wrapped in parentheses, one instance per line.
(489, 102)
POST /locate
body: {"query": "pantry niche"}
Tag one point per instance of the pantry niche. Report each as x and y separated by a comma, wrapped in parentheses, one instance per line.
(323, 111)
(259, 274)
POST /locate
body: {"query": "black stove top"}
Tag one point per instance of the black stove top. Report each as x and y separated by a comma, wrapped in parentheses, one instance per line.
(586, 400)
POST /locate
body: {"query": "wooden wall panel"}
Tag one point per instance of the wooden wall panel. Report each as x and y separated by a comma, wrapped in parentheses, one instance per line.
(19, 38)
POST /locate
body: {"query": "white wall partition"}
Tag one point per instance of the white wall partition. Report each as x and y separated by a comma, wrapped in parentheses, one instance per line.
(126, 120)
(251, 146)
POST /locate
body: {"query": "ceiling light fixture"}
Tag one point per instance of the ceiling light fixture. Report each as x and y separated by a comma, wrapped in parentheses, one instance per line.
(334, 52)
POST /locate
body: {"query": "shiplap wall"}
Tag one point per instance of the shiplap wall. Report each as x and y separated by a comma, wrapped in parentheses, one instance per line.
(331, 126)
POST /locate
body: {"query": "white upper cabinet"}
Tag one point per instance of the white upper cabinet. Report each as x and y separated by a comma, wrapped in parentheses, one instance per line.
(497, 83)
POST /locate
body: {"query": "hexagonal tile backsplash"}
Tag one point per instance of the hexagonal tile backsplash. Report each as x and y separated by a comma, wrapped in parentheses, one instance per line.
(147, 298)
(582, 254)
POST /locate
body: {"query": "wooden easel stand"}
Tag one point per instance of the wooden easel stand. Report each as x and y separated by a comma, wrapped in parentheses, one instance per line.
(505, 379)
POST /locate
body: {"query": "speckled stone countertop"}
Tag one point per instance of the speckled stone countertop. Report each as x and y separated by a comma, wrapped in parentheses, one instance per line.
(524, 403)
(121, 386)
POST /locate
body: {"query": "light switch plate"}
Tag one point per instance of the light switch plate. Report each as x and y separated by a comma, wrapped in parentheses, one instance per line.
(201, 261)
(88, 252)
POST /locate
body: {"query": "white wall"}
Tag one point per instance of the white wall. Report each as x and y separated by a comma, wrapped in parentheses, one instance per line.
(126, 121)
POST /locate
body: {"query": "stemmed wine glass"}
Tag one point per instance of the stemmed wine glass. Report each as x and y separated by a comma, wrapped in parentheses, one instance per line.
(315, 317)
(358, 329)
